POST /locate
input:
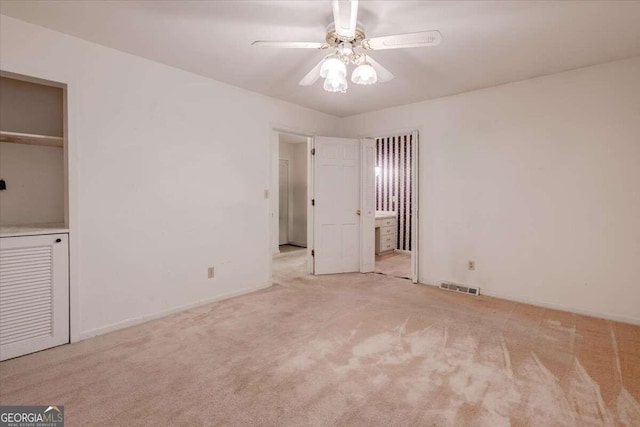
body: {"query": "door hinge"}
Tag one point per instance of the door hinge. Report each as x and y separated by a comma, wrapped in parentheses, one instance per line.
(313, 202)
(313, 252)
(313, 151)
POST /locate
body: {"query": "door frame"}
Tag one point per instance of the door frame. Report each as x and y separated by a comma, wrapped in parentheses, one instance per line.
(272, 192)
(311, 191)
(415, 208)
(415, 181)
(367, 205)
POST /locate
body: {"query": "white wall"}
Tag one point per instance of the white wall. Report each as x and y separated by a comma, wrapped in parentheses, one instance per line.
(35, 184)
(285, 150)
(167, 177)
(537, 181)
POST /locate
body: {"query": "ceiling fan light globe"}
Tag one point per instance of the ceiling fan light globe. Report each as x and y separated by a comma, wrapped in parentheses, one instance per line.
(336, 84)
(364, 74)
(345, 49)
(332, 65)
(336, 74)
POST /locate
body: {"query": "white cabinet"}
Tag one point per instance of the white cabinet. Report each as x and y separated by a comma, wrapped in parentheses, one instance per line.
(386, 234)
(34, 293)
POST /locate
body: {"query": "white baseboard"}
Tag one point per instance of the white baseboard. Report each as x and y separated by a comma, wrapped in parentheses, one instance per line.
(302, 245)
(532, 301)
(146, 318)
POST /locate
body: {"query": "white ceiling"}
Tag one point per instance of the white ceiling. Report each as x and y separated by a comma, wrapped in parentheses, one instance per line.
(485, 43)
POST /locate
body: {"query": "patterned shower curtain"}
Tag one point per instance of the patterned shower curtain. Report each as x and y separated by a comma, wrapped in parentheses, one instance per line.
(393, 183)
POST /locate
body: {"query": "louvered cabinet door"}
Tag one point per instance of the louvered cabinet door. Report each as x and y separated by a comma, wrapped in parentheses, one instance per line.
(34, 293)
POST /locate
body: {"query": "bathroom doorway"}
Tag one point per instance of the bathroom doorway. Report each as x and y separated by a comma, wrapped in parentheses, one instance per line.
(396, 205)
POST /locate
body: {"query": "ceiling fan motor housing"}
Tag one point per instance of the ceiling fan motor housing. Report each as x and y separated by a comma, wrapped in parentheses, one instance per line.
(333, 39)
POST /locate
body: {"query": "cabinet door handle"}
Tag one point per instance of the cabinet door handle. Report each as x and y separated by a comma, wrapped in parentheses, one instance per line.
(58, 240)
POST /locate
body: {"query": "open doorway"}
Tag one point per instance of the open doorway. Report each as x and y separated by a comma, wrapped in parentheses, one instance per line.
(396, 205)
(291, 203)
(340, 205)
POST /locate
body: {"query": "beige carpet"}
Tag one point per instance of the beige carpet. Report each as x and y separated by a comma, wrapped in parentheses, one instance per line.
(349, 350)
(396, 263)
(291, 248)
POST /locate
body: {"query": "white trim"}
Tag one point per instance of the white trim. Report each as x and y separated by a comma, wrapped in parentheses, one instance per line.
(367, 206)
(311, 267)
(538, 303)
(415, 206)
(290, 213)
(393, 132)
(298, 244)
(149, 317)
(273, 200)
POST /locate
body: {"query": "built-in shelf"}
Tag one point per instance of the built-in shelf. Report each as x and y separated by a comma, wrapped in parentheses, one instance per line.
(31, 139)
(32, 229)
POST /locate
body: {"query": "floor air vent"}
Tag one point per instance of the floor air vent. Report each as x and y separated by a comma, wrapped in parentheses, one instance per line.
(460, 288)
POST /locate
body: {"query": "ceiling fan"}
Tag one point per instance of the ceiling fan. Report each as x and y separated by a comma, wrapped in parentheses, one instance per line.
(349, 45)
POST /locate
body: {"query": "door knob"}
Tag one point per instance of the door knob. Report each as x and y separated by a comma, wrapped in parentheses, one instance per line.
(58, 240)
(358, 212)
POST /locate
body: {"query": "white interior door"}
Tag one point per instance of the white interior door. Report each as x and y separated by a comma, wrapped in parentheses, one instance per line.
(283, 187)
(336, 205)
(34, 293)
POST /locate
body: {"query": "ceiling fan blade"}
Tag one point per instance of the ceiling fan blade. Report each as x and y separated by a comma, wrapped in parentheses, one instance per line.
(345, 15)
(290, 45)
(312, 75)
(400, 41)
(384, 75)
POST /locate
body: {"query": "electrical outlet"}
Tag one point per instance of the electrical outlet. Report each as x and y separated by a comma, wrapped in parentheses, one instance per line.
(472, 265)
(210, 272)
